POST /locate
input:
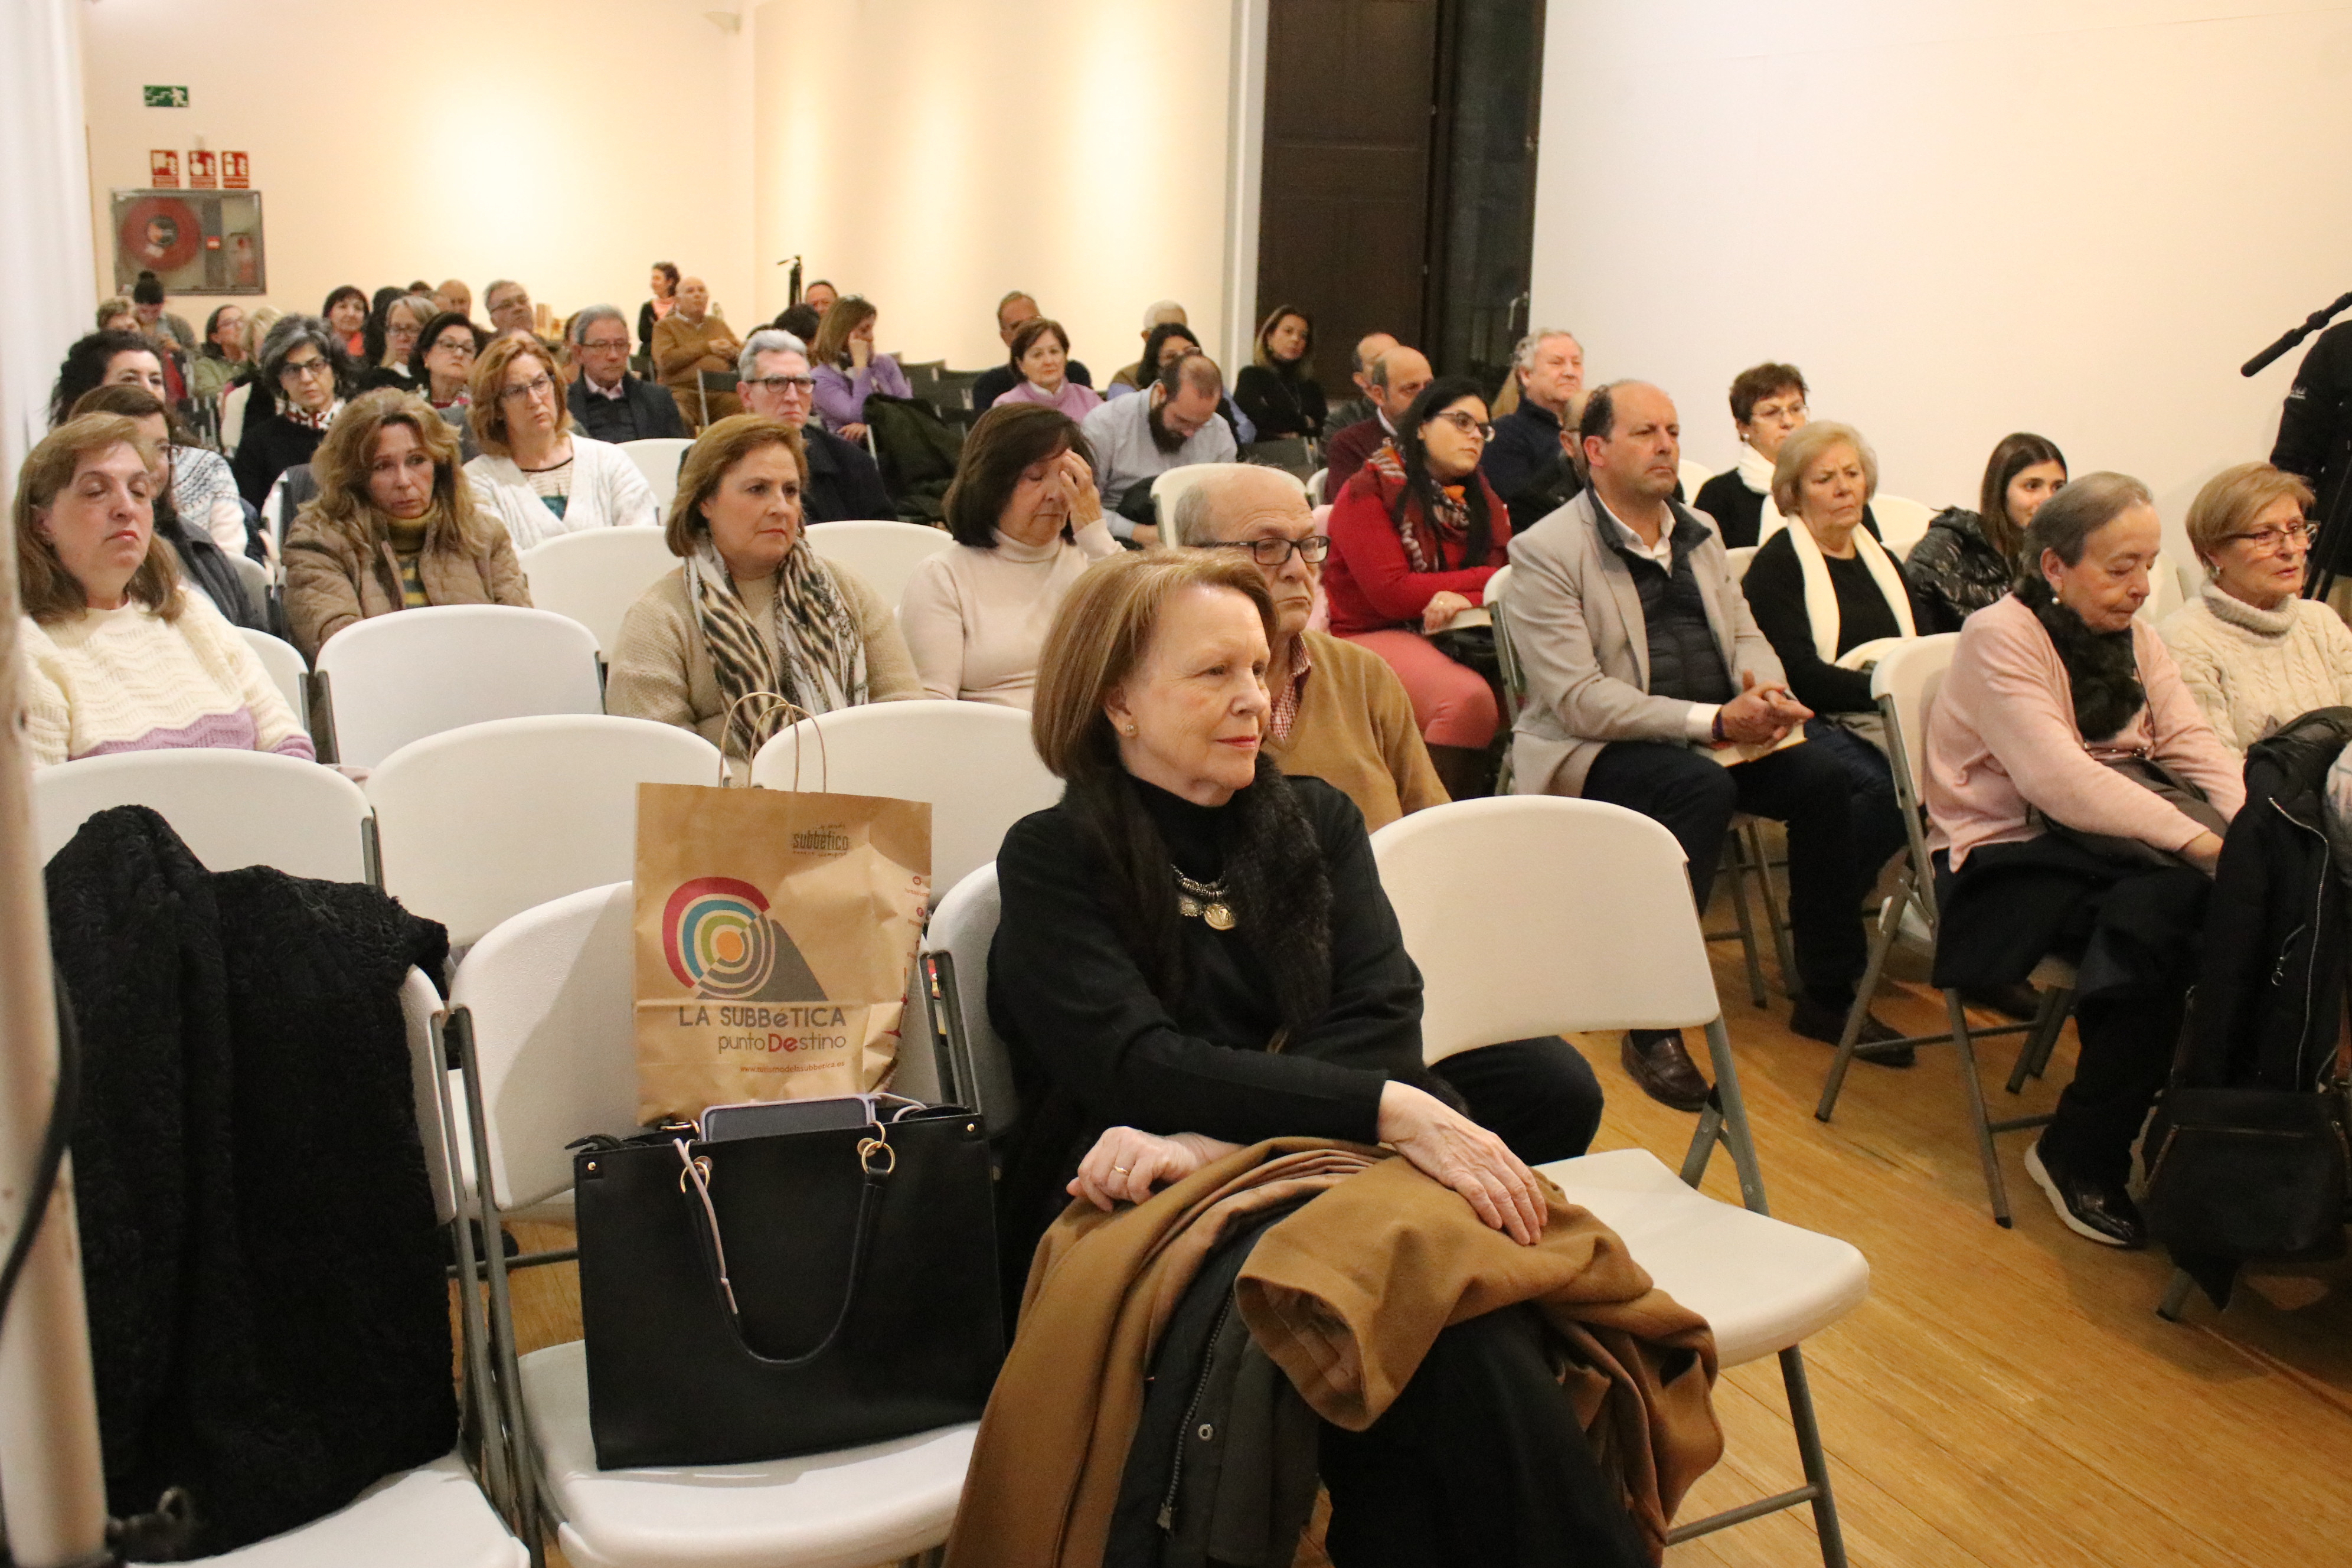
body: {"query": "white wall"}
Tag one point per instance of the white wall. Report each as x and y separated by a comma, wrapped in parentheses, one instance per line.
(45, 292)
(390, 144)
(1960, 218)
(935, 154)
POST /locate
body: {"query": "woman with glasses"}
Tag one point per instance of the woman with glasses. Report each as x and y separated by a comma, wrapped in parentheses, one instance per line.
(301, 368)
(443, 367)
(1027, 523)
(1415, 537)
(563, 480)
(1767, 405)
(393, 334)
(2255, 653)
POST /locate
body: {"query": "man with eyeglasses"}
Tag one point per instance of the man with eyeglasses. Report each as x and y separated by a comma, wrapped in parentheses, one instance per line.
(607, 401)
(843, 483)
(1396, 378)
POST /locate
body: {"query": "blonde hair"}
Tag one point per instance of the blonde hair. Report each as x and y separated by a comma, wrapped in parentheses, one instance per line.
(2233, 497)
(46, 590)
(708, 462)
(1102, 634)
(257, 328)
(488, 412)
(1804, 447)
(119, 305)
(347, 455)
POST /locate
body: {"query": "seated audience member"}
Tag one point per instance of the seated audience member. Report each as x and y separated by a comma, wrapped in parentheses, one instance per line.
(1014, 313)
(1278, 389)
(393, 334)
(301, 368)
(346, 313)
(147, 303)
(1026, 521)
(1641, 658)
(843, 483)
(1171, 340)
(202, 560)
(1041, 349)
(509, 305)
(820, 297)
(848, 368)
(105, 359)
(607, 401)
(239, 394)
(1361, 408)
(204, 491)
(530, 452)
(219, 357)
(1768, 401)
(1968, 559)
(396, 525)
(691, 340)
(454, 297)
(2060, 708)
(1531, 459)
(1415, 537)
(2255, 653)
(443, 367)
(1396, 378)
(117, 314)
(1196, 954)
(754, 607)
(801, 320)
(118, 656)
(656, 310)
(1133, 377)
(1137, 439)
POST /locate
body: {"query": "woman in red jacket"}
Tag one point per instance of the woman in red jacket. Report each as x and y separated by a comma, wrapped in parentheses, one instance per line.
(1415, 537)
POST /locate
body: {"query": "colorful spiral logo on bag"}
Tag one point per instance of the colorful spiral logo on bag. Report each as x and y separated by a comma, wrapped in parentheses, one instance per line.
(718, 938)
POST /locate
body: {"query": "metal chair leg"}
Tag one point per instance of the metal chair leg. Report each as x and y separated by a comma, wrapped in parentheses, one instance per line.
(2176, 1297)
(1726, 1118)
(1782, 948)
(1816, 1458)
(1735, 860)
(1890, 917)
(2034, 1054)
(1994, 1187)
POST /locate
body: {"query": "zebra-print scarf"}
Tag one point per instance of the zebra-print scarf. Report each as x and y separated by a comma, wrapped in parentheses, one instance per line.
(820, 662)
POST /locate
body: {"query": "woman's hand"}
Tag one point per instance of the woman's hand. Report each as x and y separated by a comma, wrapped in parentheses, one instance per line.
(1449, 1147)
(856, 433)
(2204, 852)
(861, 352)
(1078, 482)
(1125, 1165)
(1443, 607)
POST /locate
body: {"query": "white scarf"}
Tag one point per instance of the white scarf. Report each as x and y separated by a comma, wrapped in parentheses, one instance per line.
(1755, 470)
(1821, 594)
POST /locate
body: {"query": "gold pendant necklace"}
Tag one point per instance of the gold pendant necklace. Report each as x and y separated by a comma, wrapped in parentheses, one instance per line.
(1203, 901)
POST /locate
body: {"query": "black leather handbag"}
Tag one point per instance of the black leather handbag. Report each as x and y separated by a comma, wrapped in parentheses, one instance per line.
(2247, 1173)
(759, 1298)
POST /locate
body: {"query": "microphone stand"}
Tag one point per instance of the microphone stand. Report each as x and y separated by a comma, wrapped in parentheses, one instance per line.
(2319, 584)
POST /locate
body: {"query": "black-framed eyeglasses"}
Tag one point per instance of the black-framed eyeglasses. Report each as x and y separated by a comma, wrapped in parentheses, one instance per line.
(1275, 552)
(778, 386)
(308, 367)
(606, 345)
(1468, 426)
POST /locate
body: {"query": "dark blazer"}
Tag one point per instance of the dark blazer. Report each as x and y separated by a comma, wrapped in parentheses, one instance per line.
(843, 482)
(1527, 465)
(644, 412)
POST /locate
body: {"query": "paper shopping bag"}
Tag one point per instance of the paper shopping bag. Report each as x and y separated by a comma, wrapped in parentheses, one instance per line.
(774, 933)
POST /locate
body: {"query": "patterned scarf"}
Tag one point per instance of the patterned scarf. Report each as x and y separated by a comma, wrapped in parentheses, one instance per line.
(822, 655)
(1452, 522)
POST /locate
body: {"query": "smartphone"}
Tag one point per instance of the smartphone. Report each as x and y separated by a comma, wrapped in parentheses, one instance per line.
(765, 1119)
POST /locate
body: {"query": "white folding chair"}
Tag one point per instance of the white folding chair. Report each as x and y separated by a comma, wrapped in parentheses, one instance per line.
(1905, 683)
(253, 578)
(479, 823)
(543, 1007)
(657, 458)
(2169, 587)
(1902, 521)
(1741, 557)
(973, 1068)
(388, 681)
(287, 670)
(883, 554)
(1692, 476)
(595, 575)
(231, 808)
(1315, 485)
(1476, 886)
(973, 761)
(434, 1516)
(1172, 483)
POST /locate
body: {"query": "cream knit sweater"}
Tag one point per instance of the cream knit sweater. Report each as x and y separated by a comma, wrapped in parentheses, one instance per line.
(2253, 670)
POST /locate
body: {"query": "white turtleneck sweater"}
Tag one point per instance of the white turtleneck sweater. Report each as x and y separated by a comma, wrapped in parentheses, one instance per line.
(2253, 670)
(975, 619)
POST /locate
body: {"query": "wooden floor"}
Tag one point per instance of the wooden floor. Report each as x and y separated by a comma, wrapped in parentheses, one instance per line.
(2006, 1397)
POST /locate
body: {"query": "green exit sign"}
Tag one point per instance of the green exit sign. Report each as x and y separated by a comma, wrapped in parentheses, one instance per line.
(167, 97)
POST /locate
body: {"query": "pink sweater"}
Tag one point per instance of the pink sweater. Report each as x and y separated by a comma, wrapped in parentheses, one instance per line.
(2001, 739)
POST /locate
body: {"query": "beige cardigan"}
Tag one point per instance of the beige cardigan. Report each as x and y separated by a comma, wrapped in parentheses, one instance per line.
(661, 669)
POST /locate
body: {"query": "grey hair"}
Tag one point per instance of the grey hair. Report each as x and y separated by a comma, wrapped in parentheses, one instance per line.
(1190, 520)
(2068, 518)
(589, 316)
(497, 283)
(766, 340)
(291, 332)
(1159, 311)
(1804, 447)
(1379, 370)
(1523, 353)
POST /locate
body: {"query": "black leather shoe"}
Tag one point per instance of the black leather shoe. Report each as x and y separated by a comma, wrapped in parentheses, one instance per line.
(1820, 1021)
(2101, 1212)
(1656, 1060)
(2018, 1001)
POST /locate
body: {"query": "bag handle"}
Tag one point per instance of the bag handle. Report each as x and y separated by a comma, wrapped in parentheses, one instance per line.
(772, 701)
(876, 1160)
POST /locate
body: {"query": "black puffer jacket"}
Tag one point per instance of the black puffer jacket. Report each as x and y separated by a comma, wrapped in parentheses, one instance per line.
(1955, 571)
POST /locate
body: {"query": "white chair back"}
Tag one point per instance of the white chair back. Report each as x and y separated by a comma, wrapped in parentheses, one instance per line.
(283, 662)
(885, 555)
(963, 927)
(253, 578)
(2168, 589)
(231, 808)
(1500, 904)
(1902, 521)
(551, 996)
(595, 575)
(397, 678)
(657, 458)
(1693, 475)
(1741, 557)
(973, 761)
(1315, 485)
(479, 824)
(1904, 682)
(1175, 482)
(420, 1011)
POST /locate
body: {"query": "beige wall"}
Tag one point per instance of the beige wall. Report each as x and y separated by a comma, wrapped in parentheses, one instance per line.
(389, 143)
(2072, 216)
(933, 156)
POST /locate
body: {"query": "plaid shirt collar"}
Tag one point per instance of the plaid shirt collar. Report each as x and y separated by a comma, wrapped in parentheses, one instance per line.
(1287, 694)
